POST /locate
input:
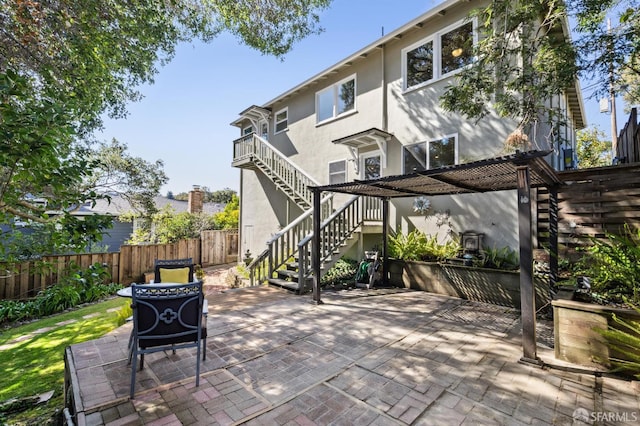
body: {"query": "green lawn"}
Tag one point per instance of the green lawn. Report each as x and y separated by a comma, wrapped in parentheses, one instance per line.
(32, 355)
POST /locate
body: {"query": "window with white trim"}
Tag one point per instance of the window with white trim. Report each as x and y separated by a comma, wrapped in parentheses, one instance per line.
(336, 99)
(247, 130)
(371, 165)
(337, 172)
(437, 56)
(430, 155)
(281, 120)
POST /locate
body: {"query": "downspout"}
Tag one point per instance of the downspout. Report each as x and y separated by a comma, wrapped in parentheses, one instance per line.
(383, 86)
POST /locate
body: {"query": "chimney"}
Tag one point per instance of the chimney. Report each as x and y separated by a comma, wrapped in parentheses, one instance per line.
(196, 197)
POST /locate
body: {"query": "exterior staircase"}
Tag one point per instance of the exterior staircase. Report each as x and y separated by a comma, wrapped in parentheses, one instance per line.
(287, 260)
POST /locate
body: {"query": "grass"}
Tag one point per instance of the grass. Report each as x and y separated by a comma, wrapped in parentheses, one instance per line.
(35, 365)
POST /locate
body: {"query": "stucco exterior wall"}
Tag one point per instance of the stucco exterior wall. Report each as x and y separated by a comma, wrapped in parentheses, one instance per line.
(411, 116)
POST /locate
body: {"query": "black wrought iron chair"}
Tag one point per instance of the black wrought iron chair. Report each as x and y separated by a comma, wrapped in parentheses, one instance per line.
(166, 318)
(175, 269)
(180, 271)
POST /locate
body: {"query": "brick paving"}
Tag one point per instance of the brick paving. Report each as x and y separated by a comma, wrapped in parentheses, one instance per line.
(364, 357)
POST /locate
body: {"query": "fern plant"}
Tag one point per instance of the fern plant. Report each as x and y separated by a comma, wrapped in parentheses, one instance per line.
(407, 247)
(500, 258)
(624, 341)
(613, 264)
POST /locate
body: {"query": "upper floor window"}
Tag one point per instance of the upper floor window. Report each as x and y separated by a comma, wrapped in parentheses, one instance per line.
(336, 99)
(281, 120)
(337, 172)
(432, 58)
(430, 155)
(247, 130)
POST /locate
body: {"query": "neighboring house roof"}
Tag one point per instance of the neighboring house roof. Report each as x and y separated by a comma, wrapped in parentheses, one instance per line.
(120, 205)
(573, 94)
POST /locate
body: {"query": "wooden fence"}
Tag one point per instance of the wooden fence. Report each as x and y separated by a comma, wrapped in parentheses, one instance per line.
(628, 146)
(592, 202)
(126, 266)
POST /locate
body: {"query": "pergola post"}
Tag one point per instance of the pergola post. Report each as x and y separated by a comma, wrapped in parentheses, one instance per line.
(385, 229)
(553, 237)
(527, 290)
(315, 246)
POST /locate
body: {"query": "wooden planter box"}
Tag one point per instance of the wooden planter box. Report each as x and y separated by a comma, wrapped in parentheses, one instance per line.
(472, 283)
(576, 340)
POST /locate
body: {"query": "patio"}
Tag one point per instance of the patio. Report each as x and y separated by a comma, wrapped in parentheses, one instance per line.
(387, 356)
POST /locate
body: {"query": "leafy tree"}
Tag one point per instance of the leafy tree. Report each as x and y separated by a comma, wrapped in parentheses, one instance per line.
(592, 149)
(167, 226)
(64, 64)
(229, 218)
(630, 88)
(117, 172)
(170, 195)
(222, 196)
(524, 59)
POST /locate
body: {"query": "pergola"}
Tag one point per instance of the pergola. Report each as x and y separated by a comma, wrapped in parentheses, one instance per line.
(520, 171)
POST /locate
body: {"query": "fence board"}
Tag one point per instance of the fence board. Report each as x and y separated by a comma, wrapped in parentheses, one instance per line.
(126, 266)
(592, 202)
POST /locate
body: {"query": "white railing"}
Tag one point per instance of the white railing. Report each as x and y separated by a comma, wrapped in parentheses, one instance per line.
(257, 149)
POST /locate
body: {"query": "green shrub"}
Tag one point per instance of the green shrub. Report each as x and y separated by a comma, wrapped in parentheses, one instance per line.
(418, 246)
(343, 271)
(625, 341)
(500, 258)
(77, 286)
(406, 247)
(613, 264)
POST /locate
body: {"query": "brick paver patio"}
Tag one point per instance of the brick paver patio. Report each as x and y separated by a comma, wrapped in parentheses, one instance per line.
(364, 357)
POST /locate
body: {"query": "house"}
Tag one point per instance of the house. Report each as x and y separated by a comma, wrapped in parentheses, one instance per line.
(376, 113)
(118, 205)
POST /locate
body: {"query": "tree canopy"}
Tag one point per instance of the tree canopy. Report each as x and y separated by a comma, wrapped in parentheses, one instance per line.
(64, 64)
(525, 57)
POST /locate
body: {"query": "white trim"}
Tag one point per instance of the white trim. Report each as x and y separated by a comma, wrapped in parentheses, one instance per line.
(435, 39)
(346, 171)
(276, 122)
(455, 152)
(335, 88)
(426, 144)
(370, 155)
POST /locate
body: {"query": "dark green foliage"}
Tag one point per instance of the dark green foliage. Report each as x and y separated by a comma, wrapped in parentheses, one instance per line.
(624, 342)
(500, 258)
(343, 272)
(418, 246)
(613, 264)
(76, 287)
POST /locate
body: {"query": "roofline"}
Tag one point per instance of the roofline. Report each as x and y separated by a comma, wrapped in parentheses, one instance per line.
(364, 51)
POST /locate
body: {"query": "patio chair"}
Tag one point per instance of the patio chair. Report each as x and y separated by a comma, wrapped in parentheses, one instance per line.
(166, 317)
(178, 271)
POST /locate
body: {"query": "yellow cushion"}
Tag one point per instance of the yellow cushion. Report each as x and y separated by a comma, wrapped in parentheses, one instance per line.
(174, 275)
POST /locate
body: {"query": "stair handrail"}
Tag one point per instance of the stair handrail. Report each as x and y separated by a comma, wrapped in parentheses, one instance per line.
(341, 229)
(258, 268)
(294, 177)
(284, 245)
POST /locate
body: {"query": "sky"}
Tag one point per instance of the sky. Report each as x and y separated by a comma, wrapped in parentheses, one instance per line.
(184, 118)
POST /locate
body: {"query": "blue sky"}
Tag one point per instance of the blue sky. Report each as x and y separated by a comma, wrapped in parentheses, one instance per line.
(184, 118)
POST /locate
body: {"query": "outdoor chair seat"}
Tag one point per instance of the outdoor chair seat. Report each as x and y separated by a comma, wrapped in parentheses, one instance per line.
(166, 318)
(165, 267)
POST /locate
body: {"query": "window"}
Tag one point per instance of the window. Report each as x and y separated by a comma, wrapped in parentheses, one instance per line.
(281, 120)
(415, 158)
(247, 130)
(371, 166)
(447, 51)
(337, 172)
(336, 99)
(430, 155)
